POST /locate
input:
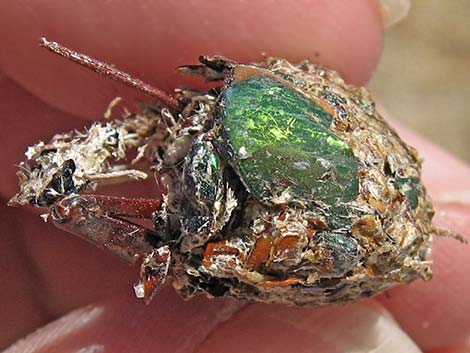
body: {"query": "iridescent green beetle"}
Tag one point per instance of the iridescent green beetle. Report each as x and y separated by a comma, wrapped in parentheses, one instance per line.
(281, 185)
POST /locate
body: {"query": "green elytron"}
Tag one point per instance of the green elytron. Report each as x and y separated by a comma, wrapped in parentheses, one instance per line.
(281, 143)
(281, 185)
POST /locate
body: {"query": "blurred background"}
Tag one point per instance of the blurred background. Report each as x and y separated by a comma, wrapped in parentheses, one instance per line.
(423, 79)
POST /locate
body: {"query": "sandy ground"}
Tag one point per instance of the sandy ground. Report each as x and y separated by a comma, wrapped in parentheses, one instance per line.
(424, 77)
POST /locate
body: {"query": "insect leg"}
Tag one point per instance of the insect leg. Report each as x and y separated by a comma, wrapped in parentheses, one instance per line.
(153, 273)
(97, 219)
(125, 207)
(108, 70)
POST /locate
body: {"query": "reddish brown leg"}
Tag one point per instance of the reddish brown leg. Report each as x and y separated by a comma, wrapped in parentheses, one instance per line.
(96, 219)
(125, 207)
(108, 70)
(153, 273)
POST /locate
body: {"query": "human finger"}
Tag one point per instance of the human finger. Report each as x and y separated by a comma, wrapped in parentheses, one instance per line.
(435, 313)
(121, 325)
(150, 39)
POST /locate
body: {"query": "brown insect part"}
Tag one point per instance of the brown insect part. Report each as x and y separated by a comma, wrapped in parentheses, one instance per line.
(98, 220)
(108, 70)
(365, 226)
(280, 283)
(217, 249)
(379, 205)
(88, 217)
(285, 246)
(261, 252)
(153, 273)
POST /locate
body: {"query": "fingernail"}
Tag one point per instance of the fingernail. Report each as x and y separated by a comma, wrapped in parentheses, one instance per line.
(393, 11)
(47, 337)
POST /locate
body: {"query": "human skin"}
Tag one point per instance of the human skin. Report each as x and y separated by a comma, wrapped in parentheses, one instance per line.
(48, 275)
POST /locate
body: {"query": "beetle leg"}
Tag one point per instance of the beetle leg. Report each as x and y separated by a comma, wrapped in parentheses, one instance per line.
(213, 68)
(108, 70)
(153, 273)
(97, 219)
(123, 206)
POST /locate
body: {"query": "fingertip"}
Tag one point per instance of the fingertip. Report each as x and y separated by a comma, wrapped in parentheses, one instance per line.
(434, 313)
(360, 327)
(149, 40)
(122, 324)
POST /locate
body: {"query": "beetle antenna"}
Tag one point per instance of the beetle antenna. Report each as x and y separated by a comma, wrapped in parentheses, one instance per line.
(108, 70)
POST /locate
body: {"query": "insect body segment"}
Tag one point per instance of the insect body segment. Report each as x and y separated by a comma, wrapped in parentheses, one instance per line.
(281, 185)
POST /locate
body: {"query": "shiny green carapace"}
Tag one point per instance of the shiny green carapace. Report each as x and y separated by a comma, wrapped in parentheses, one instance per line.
(279, 141)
